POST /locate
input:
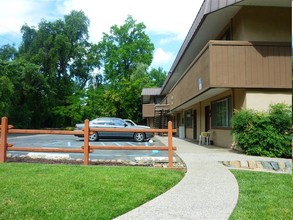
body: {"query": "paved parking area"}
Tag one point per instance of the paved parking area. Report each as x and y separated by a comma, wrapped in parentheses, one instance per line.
(70, 141)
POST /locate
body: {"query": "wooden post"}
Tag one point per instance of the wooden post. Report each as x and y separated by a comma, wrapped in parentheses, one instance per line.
(3, 144)
(170, 144)
(86, 131)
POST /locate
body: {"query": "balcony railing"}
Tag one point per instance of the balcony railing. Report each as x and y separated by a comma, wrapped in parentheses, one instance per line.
(235, 64)
(148, 110)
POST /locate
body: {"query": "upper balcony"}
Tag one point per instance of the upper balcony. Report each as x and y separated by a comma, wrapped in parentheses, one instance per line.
(234, 64)
(148, 110)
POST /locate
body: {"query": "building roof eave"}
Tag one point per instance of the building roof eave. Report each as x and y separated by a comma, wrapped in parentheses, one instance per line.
(207, 7)
(202, 30)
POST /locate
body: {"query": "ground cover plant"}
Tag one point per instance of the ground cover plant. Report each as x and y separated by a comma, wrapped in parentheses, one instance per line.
(43, 191)
(263, 196)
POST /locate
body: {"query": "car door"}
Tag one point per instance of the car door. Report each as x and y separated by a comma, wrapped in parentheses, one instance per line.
(119, 123)
(103, 123)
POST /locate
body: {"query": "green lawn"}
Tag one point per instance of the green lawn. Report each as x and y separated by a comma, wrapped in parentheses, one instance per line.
(39, 191)
(263, 196)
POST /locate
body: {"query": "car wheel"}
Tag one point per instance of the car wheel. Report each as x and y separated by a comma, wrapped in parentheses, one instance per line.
(139, 137)
(94, 137)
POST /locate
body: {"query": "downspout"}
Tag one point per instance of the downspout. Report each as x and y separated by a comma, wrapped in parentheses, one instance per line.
(200, 128)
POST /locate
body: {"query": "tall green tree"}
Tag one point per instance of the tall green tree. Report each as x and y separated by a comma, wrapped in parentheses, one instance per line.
(50, 77)
(25, 92)
(122, 52)
(6, 96)
(124, 48)
(65, 57)
(7, 52)
(157, 77)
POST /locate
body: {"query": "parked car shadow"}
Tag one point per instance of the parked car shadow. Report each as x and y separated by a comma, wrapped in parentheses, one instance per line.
(111, 140)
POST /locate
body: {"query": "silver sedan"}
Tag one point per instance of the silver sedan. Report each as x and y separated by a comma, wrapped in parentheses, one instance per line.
(115, 123)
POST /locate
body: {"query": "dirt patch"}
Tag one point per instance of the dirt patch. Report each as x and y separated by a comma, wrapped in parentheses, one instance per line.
(26, 159)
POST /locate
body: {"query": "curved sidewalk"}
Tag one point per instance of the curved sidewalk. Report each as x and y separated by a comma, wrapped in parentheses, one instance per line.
(207, 191)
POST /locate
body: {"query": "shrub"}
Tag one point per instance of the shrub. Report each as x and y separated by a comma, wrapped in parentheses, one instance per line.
(264, 133)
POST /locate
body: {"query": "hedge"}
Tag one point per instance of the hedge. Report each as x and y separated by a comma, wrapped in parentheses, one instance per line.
(264, 133)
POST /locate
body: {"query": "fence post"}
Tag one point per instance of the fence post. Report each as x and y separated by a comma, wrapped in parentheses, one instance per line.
(3, 144)
(170, 144)
(86, 131)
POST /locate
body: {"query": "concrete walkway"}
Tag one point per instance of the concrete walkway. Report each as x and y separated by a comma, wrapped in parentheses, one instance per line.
(208, 190)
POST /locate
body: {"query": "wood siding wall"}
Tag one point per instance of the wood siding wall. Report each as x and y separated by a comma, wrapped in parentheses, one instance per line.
(188, 85)
(250, 65)
(234, 64)
(148, 110)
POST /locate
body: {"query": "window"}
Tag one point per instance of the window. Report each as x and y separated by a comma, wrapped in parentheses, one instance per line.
(118, 122)
(221, 113)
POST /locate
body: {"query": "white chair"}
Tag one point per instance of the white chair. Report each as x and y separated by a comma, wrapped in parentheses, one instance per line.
(204, 138)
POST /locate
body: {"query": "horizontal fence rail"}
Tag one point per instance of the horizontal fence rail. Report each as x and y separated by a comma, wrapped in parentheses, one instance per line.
(86, 149)
(31, 131)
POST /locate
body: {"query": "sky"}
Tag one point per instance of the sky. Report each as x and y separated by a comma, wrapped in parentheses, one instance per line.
(167, 21)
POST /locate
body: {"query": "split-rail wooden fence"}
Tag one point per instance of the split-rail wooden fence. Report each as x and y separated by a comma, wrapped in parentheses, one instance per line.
(86, 149)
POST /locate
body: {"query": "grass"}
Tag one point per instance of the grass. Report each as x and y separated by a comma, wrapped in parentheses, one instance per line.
(40, 191)
(263, 196)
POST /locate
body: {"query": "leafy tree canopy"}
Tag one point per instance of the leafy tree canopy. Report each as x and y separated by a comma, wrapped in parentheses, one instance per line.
(124, 48)
(51, 79)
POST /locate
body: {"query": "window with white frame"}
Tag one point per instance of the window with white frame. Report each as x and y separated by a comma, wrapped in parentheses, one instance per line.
(221, 113)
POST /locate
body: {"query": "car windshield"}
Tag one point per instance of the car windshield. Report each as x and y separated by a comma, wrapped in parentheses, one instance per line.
(129, 122)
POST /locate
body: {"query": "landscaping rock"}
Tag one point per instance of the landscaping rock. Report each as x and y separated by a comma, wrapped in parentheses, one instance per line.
(252, 164)
(235, 164)
(49, 156)
(226, 163)
(271, 166)
(158, 165)
(259, 165)
(275, 165)
(244, 164)
(288, 165)
(282, 166)
(266, 165)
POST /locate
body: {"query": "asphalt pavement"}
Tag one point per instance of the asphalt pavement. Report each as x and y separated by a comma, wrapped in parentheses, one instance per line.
(70, 141)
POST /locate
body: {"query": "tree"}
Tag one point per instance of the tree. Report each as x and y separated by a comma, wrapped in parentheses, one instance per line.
(124, 48)
(25, 92)
(6, 86)
(64, 56)
(50, 76)
(157, 77)
(7, 52)
(6, 95)
(123, 51)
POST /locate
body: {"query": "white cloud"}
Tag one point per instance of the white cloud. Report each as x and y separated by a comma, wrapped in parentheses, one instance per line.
(160, 17)
(162, 57)
(15, 13)
(168, 19)
(169, 40)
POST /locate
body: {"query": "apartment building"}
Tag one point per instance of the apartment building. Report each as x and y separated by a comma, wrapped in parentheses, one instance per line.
(237, 55)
